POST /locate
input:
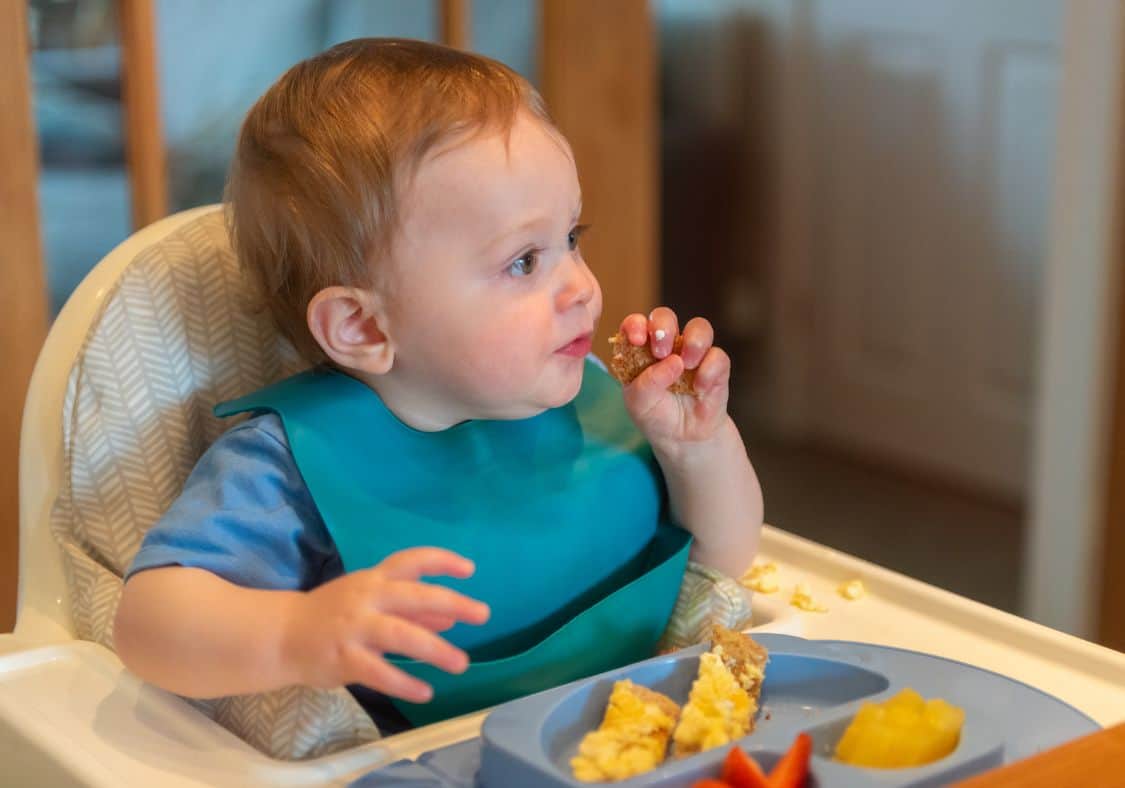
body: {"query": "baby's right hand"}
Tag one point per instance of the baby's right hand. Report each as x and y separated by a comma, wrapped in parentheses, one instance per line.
(337, 633)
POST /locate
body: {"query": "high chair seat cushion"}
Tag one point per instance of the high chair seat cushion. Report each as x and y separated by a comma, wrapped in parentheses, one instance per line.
(176, 335)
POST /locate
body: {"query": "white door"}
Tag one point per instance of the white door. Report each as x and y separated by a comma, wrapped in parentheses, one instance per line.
(929, 128)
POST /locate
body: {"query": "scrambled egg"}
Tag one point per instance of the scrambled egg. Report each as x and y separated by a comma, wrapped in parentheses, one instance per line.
(853, 589)
(631, 739)
(762, 578)
(802, 599)
(718, 711)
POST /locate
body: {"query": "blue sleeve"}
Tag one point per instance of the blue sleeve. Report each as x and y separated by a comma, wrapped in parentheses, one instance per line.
(246, 515)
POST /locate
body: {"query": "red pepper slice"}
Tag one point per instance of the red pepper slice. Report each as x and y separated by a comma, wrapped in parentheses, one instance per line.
(793, 768)
(742, 771)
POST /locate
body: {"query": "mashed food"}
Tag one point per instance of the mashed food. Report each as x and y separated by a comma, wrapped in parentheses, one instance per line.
(903, 731)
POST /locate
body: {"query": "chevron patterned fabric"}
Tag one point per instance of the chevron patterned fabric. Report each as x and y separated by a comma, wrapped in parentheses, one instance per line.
(175, 336)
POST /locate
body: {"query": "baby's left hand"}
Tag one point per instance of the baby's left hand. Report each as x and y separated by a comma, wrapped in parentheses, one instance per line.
(666, 419)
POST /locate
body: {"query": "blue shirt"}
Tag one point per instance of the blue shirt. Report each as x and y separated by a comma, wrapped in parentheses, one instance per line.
(246, 515)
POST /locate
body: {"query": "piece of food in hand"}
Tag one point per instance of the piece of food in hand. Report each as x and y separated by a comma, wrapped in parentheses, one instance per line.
(761, 577)
(633, 737)
(802, 599)
(628, 360)
(905, 730)
(724, 696)
(852, 590)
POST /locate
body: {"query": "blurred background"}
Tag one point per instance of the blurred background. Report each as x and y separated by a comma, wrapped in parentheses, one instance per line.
(857, 193)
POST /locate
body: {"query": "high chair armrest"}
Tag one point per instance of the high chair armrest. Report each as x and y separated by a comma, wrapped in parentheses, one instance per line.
(71, 714)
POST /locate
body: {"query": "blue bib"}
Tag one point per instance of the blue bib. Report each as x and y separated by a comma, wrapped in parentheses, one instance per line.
(560, 512)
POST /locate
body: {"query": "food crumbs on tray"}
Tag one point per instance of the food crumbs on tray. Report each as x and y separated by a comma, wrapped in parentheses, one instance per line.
(852, 589)
(802, 599)
(762, 578)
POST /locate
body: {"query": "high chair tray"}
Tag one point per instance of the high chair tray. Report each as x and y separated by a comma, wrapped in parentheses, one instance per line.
(811, 685)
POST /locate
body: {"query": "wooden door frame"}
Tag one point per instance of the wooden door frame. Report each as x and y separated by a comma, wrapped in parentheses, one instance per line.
(1074, 488)
(23, 300)
(598, 76)
(1111, 595)
(145, 154)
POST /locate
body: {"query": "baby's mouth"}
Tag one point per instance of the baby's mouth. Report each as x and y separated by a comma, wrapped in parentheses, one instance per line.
(578, 347)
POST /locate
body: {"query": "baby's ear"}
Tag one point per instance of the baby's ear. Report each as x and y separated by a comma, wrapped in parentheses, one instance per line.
(348, 323)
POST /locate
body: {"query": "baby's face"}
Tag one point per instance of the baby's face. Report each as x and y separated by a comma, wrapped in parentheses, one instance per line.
(491, 305)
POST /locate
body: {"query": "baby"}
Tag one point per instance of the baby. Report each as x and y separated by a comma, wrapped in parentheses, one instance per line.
(411, 218)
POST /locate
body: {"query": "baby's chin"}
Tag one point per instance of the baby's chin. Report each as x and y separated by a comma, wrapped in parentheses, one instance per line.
(558, 396)
(568, 389)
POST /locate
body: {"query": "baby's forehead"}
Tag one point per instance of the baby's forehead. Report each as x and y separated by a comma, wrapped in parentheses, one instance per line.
(492, 177)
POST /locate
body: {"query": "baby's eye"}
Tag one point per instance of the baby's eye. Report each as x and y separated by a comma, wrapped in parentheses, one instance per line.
(524, 265)
(576, 233)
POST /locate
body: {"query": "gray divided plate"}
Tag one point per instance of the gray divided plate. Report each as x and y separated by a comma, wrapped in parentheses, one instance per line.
(811, 685)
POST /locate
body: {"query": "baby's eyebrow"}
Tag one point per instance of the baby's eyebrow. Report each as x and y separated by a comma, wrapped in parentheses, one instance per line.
(528, 225)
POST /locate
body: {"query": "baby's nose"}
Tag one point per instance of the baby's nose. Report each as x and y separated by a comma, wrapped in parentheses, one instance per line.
(579, 287)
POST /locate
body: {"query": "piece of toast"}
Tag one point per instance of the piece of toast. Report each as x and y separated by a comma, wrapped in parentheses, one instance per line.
(724, 695)
(632, 738)
(744, 657)
(628, 360)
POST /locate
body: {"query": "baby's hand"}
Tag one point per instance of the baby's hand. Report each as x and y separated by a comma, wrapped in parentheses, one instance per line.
(669, 420)
(337, 633)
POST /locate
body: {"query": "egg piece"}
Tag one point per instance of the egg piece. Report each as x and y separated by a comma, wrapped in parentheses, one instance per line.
(762, 577)
(852, 590)
(803, 600)
(632, 738)
(719, 710)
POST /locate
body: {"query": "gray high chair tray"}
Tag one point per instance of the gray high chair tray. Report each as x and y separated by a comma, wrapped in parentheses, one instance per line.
(811, 685)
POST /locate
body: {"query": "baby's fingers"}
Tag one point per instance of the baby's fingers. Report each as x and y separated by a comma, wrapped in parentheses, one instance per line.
(391, 634)
(635, 329)
(664, 327)
(416, 562)
(432, 622)
(402, 598)
(373, 671)
(713, 373)
(698, 336)
(651, 386)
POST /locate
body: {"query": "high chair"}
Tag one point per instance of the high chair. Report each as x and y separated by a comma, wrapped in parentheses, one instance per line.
(118, 411)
